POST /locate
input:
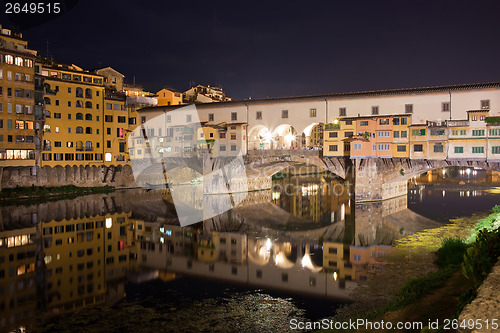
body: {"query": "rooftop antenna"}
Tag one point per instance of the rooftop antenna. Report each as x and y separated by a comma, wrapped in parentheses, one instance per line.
(134, 80)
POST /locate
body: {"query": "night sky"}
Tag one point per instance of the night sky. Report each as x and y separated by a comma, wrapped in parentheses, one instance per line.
(278, 48)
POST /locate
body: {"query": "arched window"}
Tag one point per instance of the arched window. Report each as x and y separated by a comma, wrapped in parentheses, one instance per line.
(88, 116)
(88, 93)
(9, 59)
(19, 61)
(79, 92)
(79, 104)
(46, 101)
(79, 145)
(88, 146)
(46, 113)
(88, 105)
(79, 116)
(88, 130)
(79, 129)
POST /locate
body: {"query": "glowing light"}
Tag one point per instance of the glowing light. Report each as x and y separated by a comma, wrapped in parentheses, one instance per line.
(269, 244)
(336, 121)
(276, 195)
(109, 222)
(162, 240)
(266, 135)
(335, 276)
(290, 137)
(444, 192)
(468, 172)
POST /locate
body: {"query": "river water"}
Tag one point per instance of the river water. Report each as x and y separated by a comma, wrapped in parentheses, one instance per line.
(121, 261)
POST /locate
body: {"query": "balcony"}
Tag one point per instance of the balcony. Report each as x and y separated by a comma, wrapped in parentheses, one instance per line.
(457, 123)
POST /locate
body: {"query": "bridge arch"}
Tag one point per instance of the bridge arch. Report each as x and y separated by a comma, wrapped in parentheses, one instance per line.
(285, 137)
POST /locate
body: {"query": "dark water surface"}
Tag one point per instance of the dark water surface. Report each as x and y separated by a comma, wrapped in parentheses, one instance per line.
(121, 262)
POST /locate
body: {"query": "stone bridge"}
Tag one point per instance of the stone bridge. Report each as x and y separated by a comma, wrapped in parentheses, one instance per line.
(373, 179)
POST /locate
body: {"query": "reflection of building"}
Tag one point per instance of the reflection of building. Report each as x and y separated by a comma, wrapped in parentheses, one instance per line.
(18, 139)
(18, 287)
(86, 260)
(315, 198)
(366, 259)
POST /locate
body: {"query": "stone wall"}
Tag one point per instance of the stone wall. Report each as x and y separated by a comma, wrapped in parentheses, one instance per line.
(485, 306)
(83, 176)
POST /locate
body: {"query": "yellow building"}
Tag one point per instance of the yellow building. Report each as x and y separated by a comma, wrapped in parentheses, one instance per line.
(168, 96)
(336, 137)
(400, 147)
(116, 128)
(73, 130)
(418, 140)
(17, 120)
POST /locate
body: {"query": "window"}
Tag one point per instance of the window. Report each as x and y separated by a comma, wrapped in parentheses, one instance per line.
(284, 114)
(122, 119)
(348, 122)
(363, 123)
(418, 148)
(396, 134)
(233, 147)
(348, 134)
(357, 146)
(437, 131)
(258, 115)
(383, 121)
(395, 121)
(88, 116)
(233, 136)
(333, 148)
(234, 116)
(384, 147)
(210, 117)
(494, 131)
(188, 118)
(222, 135)
(374, 109)
(485, 104)
(445, 106)
(333, 134)
(222, 148)
(478, 132)
(408, 108)
(478, 150)
(495, 150)
(79, 116)
(474, 118)
(79, 129)
(438, 148)
(459, 150)
(384, 134)
(463, 132)
(108, 118)
(342, 112)
(401, 148)
(109, 106)
(312, 113)
(418, 132)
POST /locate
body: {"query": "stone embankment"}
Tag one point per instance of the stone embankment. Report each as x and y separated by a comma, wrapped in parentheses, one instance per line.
(83, 176)
(485, 308)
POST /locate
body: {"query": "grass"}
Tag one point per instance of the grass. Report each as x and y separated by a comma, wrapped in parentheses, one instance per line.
(451, 252)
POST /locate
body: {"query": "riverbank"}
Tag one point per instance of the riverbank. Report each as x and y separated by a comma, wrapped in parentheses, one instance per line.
(42, 193)
(412, 272)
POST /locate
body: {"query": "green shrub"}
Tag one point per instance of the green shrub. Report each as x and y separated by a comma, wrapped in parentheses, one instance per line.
(481, 256)
(451, 252)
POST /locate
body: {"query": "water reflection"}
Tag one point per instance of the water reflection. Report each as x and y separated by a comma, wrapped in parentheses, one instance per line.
(58, 257)
(453, 192)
